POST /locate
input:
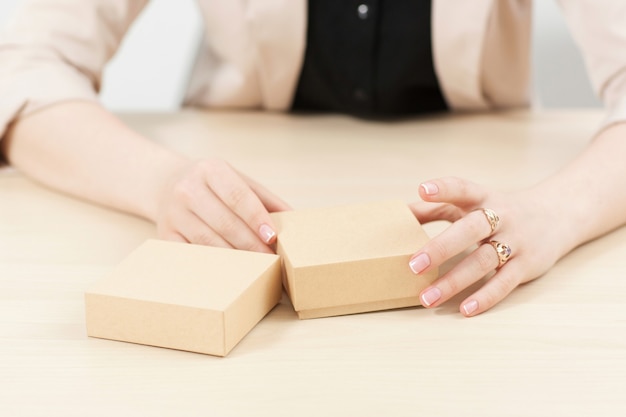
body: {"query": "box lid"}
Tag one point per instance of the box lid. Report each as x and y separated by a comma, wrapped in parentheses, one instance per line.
(349, 233)
(198, 276)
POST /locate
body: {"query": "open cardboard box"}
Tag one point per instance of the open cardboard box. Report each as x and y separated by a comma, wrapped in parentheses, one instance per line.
(183, 296)
(351, 259)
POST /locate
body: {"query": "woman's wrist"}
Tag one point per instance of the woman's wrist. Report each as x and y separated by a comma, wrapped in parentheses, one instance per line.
(166, 167)
(585, 199)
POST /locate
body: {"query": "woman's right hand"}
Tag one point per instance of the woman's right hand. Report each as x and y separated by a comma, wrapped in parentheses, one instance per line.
(208, 202)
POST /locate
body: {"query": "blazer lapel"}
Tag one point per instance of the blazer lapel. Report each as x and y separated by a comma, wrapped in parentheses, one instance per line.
(458, 29)
(279, 30)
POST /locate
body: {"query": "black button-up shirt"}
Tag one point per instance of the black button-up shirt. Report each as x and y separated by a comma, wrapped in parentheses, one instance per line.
(369, 58)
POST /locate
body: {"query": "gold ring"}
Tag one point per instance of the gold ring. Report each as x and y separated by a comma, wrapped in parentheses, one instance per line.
(492, 218)
(503, 250)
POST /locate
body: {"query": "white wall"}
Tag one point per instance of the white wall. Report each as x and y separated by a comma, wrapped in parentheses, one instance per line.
(151, 69)
(559, 73)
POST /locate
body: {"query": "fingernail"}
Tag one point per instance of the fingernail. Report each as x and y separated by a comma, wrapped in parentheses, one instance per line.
(430, 296)
(429, 188)
(419, 262)
(266, 232)
(470, 307)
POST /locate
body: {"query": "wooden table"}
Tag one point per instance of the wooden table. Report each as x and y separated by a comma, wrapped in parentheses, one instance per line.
(555, 347)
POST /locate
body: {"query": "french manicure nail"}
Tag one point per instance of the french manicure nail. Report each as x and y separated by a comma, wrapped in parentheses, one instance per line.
(470, 307)
(430, 296)
(429, 188)
(419, 263)
(266, 232)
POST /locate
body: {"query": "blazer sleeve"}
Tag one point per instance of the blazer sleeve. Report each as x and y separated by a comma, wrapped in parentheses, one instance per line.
(56, 50)
(599, 28)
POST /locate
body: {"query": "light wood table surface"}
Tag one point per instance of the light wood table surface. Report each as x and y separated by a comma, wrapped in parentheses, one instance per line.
(555, 347)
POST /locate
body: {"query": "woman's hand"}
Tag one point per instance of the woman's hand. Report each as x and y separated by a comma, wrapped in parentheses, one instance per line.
(210, 203)
(206, 202)
(528, 225)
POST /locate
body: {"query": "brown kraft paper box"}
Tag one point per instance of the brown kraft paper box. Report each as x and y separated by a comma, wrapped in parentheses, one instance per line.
(183, 296)
(350, 259)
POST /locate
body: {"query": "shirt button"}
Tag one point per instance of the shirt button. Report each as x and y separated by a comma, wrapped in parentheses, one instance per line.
(363, 11)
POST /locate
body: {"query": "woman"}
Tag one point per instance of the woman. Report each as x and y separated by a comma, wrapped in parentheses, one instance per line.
(372, 59)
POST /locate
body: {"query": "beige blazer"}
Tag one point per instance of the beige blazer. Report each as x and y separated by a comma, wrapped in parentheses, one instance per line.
(55, 50)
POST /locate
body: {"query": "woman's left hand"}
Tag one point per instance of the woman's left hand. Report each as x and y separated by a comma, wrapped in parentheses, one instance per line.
(526, 226)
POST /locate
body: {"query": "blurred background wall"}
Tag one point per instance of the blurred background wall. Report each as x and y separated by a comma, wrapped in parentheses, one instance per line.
(150, 71)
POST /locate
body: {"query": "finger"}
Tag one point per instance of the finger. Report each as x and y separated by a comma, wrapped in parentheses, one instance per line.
(194, 230)
(453, 190)
(175, 237)
(231, 228)
(270, 200)
(166, 227)
(200, 204)
(428, 212)
(470, 270)
(237, 195)
(461, 234)
(495, 290)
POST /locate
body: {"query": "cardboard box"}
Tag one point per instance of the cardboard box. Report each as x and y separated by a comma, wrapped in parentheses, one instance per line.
(182, 296)
(351, 259)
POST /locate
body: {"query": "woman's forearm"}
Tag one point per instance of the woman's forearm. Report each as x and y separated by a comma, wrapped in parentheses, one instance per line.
(588, 195)
(81, 149)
